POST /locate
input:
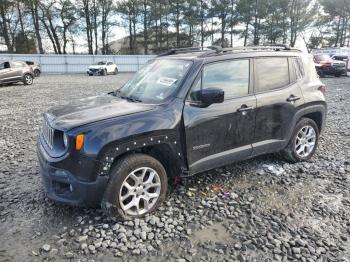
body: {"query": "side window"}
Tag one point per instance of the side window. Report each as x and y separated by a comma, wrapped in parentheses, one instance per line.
(298, 66)
(195, 88)
(230, 76)
(272, 73)
(4, 65)
(110, 63)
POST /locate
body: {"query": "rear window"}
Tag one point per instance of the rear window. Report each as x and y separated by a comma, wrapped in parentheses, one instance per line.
(298, 68)
(272, 73)
(340, 58)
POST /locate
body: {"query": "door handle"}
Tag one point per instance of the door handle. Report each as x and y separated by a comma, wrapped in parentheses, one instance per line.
(292, 98)
(244, 108)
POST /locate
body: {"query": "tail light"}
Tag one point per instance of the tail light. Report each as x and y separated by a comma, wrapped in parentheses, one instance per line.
(322, 88)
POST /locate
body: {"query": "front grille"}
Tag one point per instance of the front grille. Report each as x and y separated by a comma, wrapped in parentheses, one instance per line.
(48, 133)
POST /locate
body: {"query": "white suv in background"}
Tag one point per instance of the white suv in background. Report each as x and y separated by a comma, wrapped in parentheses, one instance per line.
(102, 68)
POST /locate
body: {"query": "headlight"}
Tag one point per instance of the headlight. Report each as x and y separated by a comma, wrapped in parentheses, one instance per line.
(65, 140)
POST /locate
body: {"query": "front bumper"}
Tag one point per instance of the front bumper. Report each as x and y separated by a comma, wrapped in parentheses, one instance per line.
(94, 71)
(333, 70)
(64, 187)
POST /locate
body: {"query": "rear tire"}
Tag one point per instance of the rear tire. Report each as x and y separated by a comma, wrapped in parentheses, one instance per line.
(37, 72)
(137, 186)
(303, 143)
(28, 79)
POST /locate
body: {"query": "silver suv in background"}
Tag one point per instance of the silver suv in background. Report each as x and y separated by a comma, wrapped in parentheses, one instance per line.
(15, 71)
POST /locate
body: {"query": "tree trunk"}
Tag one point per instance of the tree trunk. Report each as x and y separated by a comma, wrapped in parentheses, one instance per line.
(35, 17)
(145, 32)
(95, 25)
(223, 27)
(202, 24)
(167, 32)
(246, 34)
(49, 34)
(256, 42)
(131, 49)
(20, 18)
(88, 25)
(177, 24)
(4, 28)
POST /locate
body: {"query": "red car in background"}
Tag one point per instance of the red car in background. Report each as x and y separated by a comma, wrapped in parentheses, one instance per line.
(325, 65)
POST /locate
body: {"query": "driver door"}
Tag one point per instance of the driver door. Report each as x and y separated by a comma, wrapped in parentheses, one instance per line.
(5, 72)
(220, 133)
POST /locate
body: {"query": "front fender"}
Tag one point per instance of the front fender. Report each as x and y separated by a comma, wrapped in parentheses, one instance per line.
(117, 149)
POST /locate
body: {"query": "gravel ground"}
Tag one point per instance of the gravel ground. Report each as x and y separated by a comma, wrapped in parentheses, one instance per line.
(263, 209)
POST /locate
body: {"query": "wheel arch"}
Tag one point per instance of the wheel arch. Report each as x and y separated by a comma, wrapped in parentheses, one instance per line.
(316, 112)
(166, 149)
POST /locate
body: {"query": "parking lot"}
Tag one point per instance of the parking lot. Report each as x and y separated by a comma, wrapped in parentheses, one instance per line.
(263, 208)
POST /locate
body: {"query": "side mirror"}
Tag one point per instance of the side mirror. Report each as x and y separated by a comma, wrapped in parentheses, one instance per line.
(209, 96)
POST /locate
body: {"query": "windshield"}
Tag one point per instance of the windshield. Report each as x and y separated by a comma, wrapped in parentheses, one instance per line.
(322, 57)
(101, 63)
(156, 81)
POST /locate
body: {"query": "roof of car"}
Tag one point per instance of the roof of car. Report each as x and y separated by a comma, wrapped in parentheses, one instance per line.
(218, 53)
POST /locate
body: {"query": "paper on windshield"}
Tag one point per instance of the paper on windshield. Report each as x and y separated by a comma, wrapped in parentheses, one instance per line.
(166, 81)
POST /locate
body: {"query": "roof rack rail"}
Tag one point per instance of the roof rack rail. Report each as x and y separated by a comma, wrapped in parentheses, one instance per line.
(274, 47)
(181, 50)
(217, 50)
(208, 49)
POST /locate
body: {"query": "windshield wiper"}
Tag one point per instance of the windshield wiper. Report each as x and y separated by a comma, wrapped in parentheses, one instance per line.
(129, 98)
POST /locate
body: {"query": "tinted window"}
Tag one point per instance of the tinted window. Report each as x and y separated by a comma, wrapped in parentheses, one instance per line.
(272, 73)
(230, 76)
(4, 65)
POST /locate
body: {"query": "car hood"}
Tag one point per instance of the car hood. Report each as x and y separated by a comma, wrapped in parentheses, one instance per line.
(96, 66)
(92, 109)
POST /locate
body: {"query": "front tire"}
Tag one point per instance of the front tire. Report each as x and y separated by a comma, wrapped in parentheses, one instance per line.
(28, 79)
(104, 72)
(137, 186)
(303, 143)
(115, 71)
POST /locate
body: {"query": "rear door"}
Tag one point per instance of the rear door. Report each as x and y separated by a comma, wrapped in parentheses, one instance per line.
(221, 133)
(110, 67)
(278, 96)
(16, 70)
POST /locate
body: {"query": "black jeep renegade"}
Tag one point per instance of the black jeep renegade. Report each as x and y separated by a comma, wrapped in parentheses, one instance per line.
(185, 112)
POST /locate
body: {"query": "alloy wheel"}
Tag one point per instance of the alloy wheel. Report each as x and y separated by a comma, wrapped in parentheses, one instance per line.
(305, 141)
(139, 191)
(28, 79)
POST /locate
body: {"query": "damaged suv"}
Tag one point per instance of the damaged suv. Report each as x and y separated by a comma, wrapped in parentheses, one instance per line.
(185, 112)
